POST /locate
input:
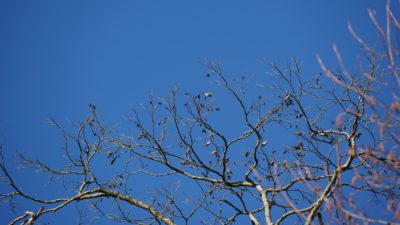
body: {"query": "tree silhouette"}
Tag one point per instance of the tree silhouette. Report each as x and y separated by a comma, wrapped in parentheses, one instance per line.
(340, 150)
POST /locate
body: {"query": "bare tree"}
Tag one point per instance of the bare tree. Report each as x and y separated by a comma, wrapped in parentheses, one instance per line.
(337, 163)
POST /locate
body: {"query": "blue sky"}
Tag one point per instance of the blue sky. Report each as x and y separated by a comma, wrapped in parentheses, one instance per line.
(56, 57)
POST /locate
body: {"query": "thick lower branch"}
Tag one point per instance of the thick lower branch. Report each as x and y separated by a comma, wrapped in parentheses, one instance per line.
(158, 215)
(267, 207)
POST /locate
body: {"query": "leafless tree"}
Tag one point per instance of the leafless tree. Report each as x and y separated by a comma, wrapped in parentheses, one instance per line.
(320, 149)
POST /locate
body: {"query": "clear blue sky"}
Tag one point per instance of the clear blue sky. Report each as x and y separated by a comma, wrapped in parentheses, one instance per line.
(56, 57)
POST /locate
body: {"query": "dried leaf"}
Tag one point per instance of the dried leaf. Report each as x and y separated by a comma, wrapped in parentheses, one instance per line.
(352, 203)
(395, 106)
(354, 180)
(390, 205)
(371, 100)
(339, 122)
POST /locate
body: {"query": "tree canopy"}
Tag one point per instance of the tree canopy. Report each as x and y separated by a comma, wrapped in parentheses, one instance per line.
(213, 157)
